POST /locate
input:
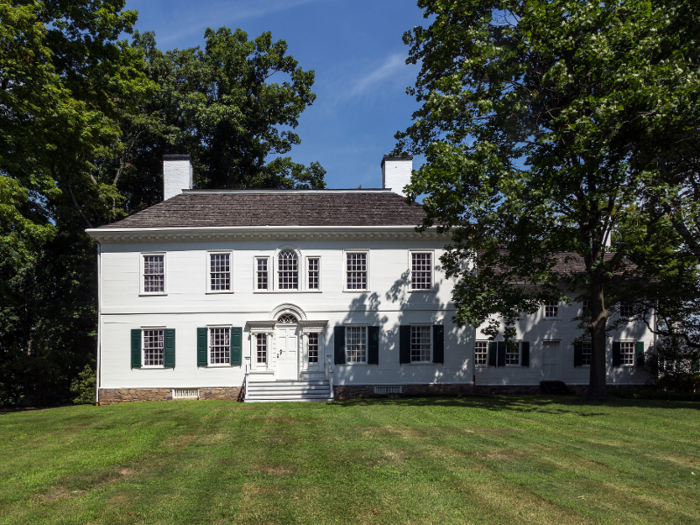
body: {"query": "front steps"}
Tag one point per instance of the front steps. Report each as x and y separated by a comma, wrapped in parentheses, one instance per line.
(277, 391)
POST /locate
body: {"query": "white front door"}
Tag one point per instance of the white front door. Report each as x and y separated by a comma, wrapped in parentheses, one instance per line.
(287, 352)
(550, 360)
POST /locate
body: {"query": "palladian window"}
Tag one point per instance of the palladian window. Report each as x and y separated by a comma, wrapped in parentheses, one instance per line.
(288, 265)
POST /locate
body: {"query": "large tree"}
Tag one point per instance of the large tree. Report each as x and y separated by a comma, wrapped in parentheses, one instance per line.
(534, 117)
(232, 106)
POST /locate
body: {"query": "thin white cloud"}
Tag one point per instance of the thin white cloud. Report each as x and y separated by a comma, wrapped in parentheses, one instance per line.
(390, 69)
(230, 15)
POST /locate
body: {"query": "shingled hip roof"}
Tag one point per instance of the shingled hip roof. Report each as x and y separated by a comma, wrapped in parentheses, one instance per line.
(251, 208)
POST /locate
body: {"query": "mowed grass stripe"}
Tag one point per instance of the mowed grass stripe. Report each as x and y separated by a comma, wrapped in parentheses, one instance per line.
(431, 460)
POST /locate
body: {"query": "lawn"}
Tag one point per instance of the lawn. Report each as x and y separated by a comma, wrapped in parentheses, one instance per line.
(433, 460)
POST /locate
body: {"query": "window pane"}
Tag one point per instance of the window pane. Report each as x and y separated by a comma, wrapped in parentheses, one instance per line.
(219, 346)
(313, 348)
(356, 271)
(153, 273)
(551, 309)
(261, 348)
(288, 271)
(262, 274)
(420, 344)
(627, 353)
(356, 344)
(421, 271)
(481, 352)
(313, 274)
(220, 272)
(585, 353)
(512, 354)
(153, 347)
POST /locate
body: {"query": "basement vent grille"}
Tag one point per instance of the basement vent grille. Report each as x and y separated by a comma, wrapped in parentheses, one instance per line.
(185, 393)
(388, 389)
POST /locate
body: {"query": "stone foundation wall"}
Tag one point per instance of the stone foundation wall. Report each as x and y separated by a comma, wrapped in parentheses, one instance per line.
(352, 391)
(507, 390)
(114, 396)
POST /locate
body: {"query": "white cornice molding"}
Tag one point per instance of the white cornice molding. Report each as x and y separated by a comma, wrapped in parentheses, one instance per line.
(222, 233)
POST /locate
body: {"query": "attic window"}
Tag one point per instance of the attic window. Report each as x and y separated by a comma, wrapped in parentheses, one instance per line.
(288, 265)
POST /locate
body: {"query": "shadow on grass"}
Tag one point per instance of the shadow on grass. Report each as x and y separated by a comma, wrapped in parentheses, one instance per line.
(520, 403)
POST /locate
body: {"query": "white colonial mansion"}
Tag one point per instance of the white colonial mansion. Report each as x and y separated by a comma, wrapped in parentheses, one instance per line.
(308, 295)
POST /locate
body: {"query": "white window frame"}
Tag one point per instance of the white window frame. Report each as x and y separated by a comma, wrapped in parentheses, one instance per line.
(345, 271)
(625, 305)
(142, 269)
(209, 329)
(554, 317)
(143, 346)
(255, 274)
(230, 270)
(432, 271)
(306, 273)
(520, 353)
(357, 363)
(590, 353)
(430, 333)
(486, 362)
(319, 353)
(634, 352)
(275, 270)
(268, 353)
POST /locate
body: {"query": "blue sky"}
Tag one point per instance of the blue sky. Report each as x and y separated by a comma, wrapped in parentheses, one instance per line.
(356, 49)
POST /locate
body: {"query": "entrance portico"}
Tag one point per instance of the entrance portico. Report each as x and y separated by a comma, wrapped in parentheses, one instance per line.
(286, 347)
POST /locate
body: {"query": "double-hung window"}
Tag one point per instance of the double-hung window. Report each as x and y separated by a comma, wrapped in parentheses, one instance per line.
(356, 344)
(551, 310)
(512, 353)
(356, 270)
(481, 353)
(220, 346)
(421, 344)
(421, 270)
(313, 347)
(626, 310)
(153, 273)
(153, 348)
(219, 272)
(313, 273)
(288, 270)
(262, 265)
(627, 355)
(586, 354)
(261, 349)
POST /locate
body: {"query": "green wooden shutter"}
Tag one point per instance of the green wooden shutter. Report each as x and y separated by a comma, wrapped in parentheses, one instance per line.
(438, 343)
(501, 354)
(640, 353)
(202, 334)
(493, 352)
(578, 355)
(136, 348)
(525, 353)
(372, 345)
(616, 354)
(236, 346)
(169, 348)
(339, 345)
(404, 344)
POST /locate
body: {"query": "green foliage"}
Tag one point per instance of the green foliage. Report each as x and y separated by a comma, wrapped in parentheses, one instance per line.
(535, 118)
(86, 119)
(84, 387)
(220, 106)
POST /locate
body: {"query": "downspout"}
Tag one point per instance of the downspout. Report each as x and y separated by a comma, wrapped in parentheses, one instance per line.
(98, 375)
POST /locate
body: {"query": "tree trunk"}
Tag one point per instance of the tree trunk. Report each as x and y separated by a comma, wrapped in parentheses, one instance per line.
(599, 317)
